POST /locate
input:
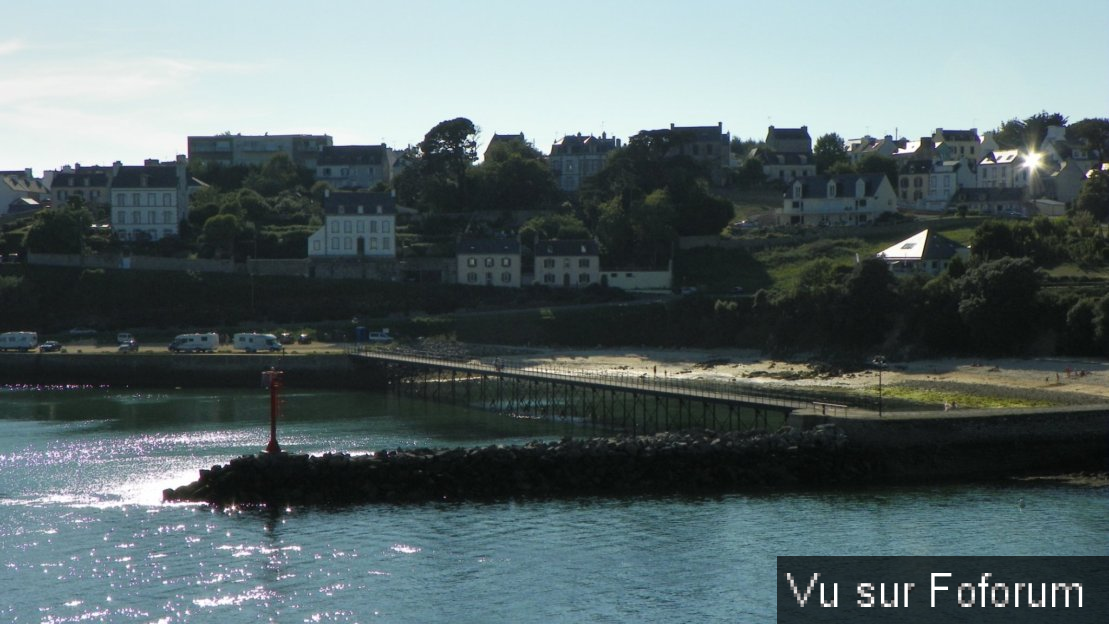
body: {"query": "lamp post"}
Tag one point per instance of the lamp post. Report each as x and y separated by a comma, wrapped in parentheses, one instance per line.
(274, 379)
(880, 362)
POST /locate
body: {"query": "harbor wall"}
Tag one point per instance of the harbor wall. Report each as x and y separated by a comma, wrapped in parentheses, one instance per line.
(161, 370)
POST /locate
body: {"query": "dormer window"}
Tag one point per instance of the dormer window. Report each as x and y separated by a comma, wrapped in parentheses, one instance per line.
(831, 188)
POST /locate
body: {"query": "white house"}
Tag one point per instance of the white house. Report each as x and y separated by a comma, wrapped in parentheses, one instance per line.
(846, 199)
(1004, 169)
(356, 225)
(924, 252)
(489, 261)
(575, 158)
(149, 202)
(567, 263)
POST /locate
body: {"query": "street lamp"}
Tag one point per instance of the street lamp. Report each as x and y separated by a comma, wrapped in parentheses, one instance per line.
(880, 362)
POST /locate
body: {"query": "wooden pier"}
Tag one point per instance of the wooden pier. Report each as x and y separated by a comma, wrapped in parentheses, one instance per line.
(635, 404)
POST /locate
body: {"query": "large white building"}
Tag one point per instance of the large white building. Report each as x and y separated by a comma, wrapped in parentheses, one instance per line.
(567, 263)
(357, 224)
(149, 202)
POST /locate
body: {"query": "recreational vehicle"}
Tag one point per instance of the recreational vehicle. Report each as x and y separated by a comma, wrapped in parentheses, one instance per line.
(18, 341)
(256, 342)
(194, 343)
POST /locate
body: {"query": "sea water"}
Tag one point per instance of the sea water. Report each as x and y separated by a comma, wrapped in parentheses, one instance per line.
(84, 536)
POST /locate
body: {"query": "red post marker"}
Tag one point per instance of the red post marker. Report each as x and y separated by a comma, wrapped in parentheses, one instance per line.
(275, 380)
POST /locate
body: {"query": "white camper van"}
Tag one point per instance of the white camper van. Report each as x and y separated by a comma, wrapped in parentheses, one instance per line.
(252, 342)
(194, 343)
(18, 341)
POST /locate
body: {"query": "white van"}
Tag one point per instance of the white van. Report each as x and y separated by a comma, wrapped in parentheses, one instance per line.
(19, 341)
(252, 342)
(194, 343)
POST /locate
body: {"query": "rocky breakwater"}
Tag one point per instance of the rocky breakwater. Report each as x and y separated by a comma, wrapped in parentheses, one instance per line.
(685, 462)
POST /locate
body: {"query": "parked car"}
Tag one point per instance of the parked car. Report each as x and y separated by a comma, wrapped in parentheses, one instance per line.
(304, 339)
(124, 337)
(129, 346)
(50, 346)
(285, 338)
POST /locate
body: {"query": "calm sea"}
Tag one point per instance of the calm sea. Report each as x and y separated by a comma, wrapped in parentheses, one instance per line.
(84, 536)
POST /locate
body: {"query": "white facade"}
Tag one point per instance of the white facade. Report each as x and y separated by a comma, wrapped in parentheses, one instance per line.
(1003, 169)
(850, 199)
(567, 264)
(490, 262)
(356, 225)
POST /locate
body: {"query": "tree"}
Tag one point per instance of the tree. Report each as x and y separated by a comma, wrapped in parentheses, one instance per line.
(828, 150)
(1027, 134)
(998, 304)
(449, 148)
(221, 231)
(278, 174)
(1094, 196)
(512, 179)
(876, 163)
(553, 226)
(1093, 133)
(59, 230)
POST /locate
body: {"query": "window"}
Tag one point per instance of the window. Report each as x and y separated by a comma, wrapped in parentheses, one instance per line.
(373, 227)
(583, 278)
(548, 263)
(489, 262)
(471, 262)
(152, 199)
(548, 278)
(360, 227)
(136, 217)
(386, 243)
(334, 227)
(506, 277)
(151, 216)
(121, 199)
(583, 263)
(471, 277)
(506, 262)
(386, 227)
(167, 199)
(347, 227)
(489, 277)
(335, 244)
(373, 242)
(167, 216)
(121, 217)
(348, 243)
(136, 199)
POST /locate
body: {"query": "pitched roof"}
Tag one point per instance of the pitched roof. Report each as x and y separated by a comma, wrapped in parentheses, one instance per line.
(816, 187)
(585, 247)
(571, 145)
(788, 134)
(19, 182)
(924, 245)
(360, 202)
(488, 246)
(146, 176)
(81, 178)
(351, 155)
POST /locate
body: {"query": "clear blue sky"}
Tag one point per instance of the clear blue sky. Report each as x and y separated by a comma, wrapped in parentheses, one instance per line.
(95, 82)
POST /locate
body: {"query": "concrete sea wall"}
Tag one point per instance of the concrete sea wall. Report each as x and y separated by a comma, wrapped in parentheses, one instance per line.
(160, 370)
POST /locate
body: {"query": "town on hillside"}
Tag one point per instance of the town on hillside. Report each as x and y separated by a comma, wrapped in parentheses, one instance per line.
(592, 210)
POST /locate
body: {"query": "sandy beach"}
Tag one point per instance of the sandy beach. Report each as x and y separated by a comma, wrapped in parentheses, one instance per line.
(1068, 380)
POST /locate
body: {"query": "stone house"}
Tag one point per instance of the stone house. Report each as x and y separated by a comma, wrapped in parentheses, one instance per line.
(357, 224)
(352, 167)
(574, 158)
(21, 191)
(489, 262)
(149, 202)
(567, 263)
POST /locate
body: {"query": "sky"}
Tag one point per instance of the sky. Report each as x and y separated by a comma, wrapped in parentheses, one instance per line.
(95, 82)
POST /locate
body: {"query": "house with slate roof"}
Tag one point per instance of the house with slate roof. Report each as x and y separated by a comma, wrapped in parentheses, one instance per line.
(844, 199)
(567, 263)
(787, 155)
(1004, 169)
(352, 167)
(924, 252)
(574, 158)
(89, 184)
(148, 202)
(960, 144)
(20, 191)
(489, 262)
(502, 139)
(357, 224)
(708, 145)
(995, 201)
